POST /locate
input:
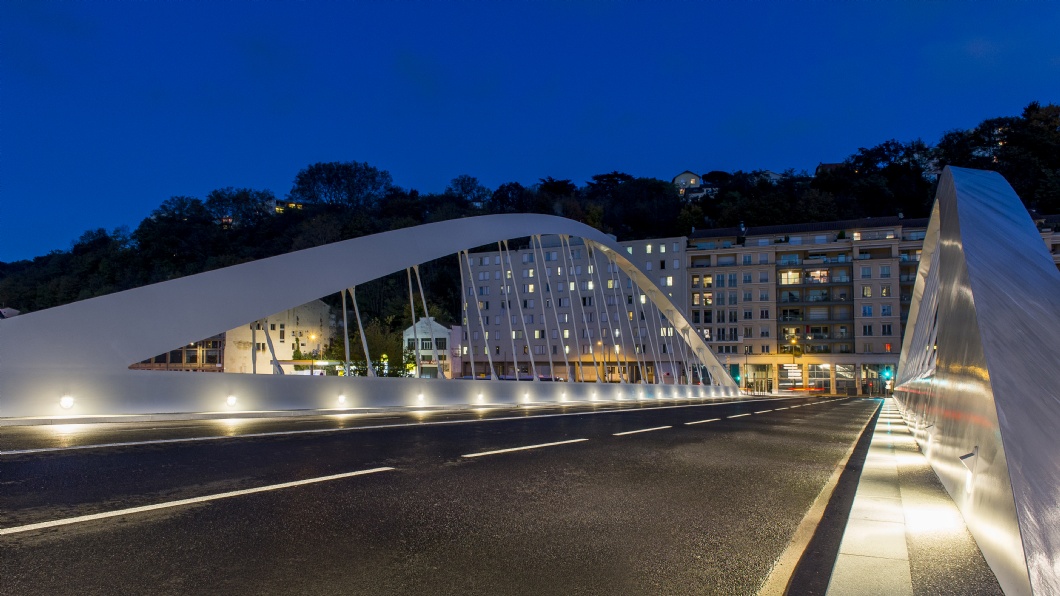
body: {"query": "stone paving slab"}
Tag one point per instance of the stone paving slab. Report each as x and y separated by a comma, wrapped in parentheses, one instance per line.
(904, 534)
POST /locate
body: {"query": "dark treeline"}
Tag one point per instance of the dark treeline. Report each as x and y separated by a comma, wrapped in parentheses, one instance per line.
(340, 200)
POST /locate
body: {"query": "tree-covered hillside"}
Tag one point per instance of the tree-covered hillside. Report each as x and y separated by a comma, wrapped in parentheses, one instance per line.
(338, 200)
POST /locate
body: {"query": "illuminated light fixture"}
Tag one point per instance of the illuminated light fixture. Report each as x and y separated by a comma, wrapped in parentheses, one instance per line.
(480, 398)
(342, 399)
(969, 460)
(526, 397)
(593, 396)
(66, 402)
(231, 401)
(420, 397)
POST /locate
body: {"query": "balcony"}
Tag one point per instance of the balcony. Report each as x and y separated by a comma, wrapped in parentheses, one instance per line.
(812, 281)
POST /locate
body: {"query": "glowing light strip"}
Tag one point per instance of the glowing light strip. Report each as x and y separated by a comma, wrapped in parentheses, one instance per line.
(702, 421)
(619, 409)
(643, 430)
(132, 510)
(523, 448)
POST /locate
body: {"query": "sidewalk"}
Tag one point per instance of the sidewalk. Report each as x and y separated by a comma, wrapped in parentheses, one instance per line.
(905, 536)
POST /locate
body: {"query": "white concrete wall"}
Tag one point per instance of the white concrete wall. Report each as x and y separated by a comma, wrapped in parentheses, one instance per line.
(137, 392)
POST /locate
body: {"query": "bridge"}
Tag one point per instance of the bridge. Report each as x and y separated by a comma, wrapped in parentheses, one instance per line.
(979, 372)
(976, 384)
(76, 359)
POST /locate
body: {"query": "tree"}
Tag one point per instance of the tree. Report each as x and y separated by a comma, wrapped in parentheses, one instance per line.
(177, 239)
(468, 189)
(240, 207)
(510, 197)
(550, 188)
(348, 183)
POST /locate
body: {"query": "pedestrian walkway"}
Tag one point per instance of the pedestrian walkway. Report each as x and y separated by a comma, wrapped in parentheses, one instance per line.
(905, 535)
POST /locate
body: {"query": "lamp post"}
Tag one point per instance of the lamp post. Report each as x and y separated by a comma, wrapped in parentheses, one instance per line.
(600, 348)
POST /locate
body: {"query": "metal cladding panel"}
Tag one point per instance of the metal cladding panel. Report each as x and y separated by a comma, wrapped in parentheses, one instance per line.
(101, 337)
(979, 375)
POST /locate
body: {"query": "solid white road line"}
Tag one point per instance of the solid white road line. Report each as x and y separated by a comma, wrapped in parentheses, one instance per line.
(353, 428)
(235, 493)
(643, 430)
(738, 415)
(702, 421)
(523, 448)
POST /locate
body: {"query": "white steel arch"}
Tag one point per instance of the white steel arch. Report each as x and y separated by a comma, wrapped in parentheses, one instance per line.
(86, 347)
(978, 376)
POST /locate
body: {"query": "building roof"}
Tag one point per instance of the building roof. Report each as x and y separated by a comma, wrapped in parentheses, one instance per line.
(824, 226)
(826, 167)
(424, 327)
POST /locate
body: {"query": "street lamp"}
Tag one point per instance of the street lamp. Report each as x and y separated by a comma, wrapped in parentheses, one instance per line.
(600, 348)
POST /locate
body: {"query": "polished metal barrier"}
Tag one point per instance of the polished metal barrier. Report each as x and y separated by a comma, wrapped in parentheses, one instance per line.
(979, 375)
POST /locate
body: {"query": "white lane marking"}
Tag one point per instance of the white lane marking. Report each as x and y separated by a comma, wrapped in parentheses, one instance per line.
(763, 411)
(643, 430)
(352, 428)
(702, 421)
(235, 493)
(738, 415)
(779, 409)
(523, 448)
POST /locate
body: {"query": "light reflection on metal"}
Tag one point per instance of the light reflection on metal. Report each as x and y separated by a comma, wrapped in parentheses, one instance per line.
(978, 376)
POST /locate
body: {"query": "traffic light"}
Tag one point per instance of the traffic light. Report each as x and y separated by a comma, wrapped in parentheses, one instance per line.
(886, 373)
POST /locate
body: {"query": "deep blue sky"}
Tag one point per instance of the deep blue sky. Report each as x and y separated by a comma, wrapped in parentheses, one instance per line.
(109, 108)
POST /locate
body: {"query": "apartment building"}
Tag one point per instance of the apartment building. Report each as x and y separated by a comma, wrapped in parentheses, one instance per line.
(563, 313)
(305, 329)
(818, 306)
(428, 342)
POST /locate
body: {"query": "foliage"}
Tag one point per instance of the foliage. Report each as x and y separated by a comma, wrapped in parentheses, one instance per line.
(340, 200)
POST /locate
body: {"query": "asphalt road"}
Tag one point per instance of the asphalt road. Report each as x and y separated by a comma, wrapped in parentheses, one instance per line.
(442, 507)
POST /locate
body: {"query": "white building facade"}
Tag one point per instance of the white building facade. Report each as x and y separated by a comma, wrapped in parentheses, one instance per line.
(559, 312)
(306, 329)
(428, 342)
